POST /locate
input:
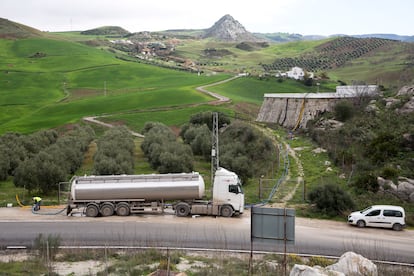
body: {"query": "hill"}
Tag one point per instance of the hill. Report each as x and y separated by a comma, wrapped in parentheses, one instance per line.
(331, 54)
(228, 29)
(110, 31)
(12, 30)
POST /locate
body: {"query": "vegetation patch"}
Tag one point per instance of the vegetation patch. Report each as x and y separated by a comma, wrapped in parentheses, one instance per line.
(331, 54)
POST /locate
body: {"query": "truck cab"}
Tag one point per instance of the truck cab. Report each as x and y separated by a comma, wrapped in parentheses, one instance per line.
(228, 192)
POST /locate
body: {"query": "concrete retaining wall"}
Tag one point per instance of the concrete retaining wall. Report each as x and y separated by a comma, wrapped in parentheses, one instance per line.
(286, 111)
(294, 110)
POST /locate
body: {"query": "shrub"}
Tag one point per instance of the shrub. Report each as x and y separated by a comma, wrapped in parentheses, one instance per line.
(331, 199)
(389, 172)
(343, 111)
(320, 261)
(366, 181)
(47, 247)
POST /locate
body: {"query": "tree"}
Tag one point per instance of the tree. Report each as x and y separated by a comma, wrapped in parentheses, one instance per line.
(245, 150)
(115, 154)
(207, 119)
(42, 171)
(164, 152)
(4, 163)
(331, 199)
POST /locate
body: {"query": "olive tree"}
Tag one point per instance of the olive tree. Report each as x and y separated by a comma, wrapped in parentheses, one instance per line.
(41, 171)
(164, 152)
(115, 154)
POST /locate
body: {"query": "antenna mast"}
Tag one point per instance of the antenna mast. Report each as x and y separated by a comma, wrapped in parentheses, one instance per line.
(214, 148)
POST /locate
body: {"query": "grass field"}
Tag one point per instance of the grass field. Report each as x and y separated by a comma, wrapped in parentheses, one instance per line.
(68, 81)
(38, 93)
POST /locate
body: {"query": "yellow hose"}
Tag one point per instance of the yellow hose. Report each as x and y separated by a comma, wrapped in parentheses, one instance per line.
(19, 202)
(302, 109)
(47, 207)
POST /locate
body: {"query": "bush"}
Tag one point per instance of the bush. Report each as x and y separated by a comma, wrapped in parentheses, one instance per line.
(47, 247)
(343, 111)
(366, 181)
(331, 199)
(320, 261)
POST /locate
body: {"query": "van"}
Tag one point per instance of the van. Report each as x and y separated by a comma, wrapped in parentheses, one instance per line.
(385, 216)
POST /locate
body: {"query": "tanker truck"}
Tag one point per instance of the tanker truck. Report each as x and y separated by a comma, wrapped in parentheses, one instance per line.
(128, 194)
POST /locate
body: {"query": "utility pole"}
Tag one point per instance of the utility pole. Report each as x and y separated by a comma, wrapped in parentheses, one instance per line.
(214, 149)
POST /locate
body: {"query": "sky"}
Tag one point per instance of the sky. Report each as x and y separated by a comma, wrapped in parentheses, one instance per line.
(306, 17)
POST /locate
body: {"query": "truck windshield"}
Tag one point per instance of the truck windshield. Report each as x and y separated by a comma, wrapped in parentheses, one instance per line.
(240, 188)
(235, 189)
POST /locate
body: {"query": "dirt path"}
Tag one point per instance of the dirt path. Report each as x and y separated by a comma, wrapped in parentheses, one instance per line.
(301, 173)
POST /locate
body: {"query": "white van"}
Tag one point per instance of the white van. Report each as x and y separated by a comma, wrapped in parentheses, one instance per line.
(386, 216)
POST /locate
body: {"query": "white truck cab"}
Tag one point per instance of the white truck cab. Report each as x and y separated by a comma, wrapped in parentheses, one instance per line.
(228, 191)
(385, 216)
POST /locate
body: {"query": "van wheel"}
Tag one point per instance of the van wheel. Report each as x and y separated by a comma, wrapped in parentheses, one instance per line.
(397, 227)
(360, 223)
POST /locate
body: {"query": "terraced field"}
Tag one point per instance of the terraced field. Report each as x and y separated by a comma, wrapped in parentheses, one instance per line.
(331, 55)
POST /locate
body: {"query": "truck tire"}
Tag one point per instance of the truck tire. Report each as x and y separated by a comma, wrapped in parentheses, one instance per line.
(182, 209)
(107, 209)
(92, 210)
(226, 211)
(122, 209)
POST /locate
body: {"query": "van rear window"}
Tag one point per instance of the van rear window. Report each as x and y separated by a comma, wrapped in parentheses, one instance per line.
(392, 213)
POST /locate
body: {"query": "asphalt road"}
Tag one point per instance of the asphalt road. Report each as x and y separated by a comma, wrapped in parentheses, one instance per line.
(19, 227)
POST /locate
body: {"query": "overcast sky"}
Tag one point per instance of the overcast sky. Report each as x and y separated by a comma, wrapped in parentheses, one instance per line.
(324, 17)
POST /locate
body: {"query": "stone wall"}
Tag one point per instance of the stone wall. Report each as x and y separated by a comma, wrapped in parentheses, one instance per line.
(288, 112)
(294, 110)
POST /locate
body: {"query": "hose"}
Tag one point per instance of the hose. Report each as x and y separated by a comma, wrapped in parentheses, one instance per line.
(48, 213)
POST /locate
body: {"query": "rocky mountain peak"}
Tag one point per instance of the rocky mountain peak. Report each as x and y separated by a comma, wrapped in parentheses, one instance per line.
(229, 29)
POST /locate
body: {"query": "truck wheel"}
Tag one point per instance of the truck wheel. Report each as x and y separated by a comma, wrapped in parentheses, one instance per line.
(107, 209)
(226, 211)
(360, 223)
(122, 209)
(182, 210)
(397, 227)
(92, 210)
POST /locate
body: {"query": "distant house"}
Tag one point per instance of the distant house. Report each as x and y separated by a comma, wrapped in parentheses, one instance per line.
(296, 73)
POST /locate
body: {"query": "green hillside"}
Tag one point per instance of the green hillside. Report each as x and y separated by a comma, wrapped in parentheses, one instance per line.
(12, 30)
(47, 82)
(56, 79)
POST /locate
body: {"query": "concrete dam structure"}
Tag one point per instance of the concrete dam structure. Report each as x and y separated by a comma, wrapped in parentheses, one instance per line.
(294, 110)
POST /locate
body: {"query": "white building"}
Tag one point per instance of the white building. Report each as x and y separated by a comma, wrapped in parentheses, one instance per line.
(296, 73)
